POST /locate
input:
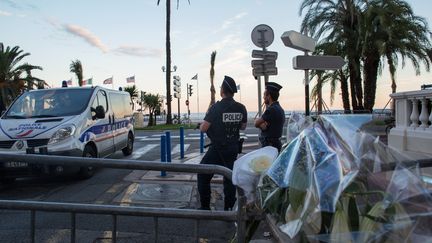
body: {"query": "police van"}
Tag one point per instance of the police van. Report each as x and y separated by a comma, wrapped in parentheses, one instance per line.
(85, 121)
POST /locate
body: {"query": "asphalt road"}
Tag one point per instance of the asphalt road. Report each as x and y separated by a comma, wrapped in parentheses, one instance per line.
(111, 187)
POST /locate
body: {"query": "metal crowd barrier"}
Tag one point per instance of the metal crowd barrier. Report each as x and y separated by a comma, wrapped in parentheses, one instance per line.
(239, 216)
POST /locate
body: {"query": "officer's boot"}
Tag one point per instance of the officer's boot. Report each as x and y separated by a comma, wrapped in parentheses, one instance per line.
(205, 203)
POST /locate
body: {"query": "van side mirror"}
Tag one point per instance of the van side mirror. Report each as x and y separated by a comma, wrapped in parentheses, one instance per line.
(99, 112)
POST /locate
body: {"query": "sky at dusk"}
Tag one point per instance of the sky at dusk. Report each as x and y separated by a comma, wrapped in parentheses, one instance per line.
(126, 38)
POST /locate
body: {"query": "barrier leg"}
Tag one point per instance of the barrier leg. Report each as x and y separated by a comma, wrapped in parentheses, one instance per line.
(163, 152)
(201, 142)
(168, 146)
(181, 143)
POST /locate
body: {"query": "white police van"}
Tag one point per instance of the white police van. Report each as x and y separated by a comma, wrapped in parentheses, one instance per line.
(89, 122)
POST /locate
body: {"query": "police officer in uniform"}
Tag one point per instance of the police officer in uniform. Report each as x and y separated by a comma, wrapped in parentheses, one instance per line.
(222, 124)
(272, 121)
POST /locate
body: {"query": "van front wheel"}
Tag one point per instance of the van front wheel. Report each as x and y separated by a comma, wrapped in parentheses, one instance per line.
(129, 147)
(88, 171)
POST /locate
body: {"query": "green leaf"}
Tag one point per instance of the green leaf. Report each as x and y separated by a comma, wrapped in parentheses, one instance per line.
(340, 230)
(353, 213)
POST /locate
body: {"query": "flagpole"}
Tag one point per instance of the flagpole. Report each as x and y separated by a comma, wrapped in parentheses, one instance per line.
(198, 99)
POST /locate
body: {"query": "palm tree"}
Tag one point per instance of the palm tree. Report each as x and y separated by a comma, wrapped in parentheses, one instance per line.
(11, 81)
(33, 82)
(153, 103)
(340, 21)
(76, 68)
(402, 32)
(133, 92)
(389, 29)
(212, 73)
(334, 77)
(168, 57)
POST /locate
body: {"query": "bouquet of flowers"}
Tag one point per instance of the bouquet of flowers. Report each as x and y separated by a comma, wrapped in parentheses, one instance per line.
(329, 185)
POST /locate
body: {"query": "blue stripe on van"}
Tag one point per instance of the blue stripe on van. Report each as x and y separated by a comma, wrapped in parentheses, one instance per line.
(100, 129)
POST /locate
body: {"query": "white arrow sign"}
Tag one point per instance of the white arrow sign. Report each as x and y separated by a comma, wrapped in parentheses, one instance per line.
(298, 41)
(266, 63)
(318, 62)
(268, 55)
(260, 72)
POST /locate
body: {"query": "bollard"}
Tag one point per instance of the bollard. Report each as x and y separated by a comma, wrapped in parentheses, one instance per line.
(201, 142)
(181, 143)
(163, 152)
(168, 146)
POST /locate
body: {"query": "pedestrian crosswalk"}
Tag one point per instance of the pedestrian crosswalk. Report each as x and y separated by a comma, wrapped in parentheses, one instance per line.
(190, 136)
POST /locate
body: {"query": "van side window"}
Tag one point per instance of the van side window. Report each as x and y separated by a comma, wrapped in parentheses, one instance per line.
(100, 100)
(117, 105)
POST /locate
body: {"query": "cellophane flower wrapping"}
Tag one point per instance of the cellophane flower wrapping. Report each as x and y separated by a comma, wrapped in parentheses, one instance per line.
(334, 182)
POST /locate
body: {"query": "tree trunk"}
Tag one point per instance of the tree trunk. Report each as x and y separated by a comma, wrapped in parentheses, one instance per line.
(345, 93)
(212, 73)
(352, 87)
(371, 64)
(150, 122)
(392, 70)
(168, 61)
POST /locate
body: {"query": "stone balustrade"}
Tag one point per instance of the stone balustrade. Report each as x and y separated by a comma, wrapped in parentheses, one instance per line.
(413, 130)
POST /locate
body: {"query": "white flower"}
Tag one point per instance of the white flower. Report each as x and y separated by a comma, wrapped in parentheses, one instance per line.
(260, 163)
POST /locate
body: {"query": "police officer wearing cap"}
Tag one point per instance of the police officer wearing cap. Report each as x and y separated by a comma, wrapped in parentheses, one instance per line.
(272, 121)
(222, 124)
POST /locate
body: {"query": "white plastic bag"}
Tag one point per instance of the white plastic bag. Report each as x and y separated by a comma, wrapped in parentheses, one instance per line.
(248, 169)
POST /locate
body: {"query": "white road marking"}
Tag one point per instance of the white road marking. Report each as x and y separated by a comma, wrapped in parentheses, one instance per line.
(176, 149)
(140, 152)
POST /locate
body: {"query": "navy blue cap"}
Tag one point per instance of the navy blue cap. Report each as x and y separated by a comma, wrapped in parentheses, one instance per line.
(229, 84)
(272, 86)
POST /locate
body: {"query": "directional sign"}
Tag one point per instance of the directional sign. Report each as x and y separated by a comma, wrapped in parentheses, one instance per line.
(318, 62)
(268, 55)
(298, 41)
(262, 35)
(260, 72)
(267, 63)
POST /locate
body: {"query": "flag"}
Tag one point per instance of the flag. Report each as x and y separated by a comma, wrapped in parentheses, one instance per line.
(195, 77)
(69, 82)
(130, 79)
(108, 81)
(238, 87)
(87, 81)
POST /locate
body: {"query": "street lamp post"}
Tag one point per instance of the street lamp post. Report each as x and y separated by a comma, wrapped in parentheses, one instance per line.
(168, 92)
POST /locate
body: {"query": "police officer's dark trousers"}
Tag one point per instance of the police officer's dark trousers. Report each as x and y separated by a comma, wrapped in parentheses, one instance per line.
(224, 156)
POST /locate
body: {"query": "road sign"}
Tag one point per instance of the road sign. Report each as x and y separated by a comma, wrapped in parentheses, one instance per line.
(318, 62)
(266, 63)
(268, 55)
(298, 41)
(262, 35)
(260, 71)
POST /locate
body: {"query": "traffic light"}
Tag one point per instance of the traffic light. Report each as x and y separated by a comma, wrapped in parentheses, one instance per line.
(177, 86)
(190, 90)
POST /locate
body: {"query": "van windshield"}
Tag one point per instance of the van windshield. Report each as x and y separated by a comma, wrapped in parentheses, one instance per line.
(49, 103)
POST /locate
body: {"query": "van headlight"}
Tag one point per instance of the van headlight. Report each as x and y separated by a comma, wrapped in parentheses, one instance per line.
(62, 134)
